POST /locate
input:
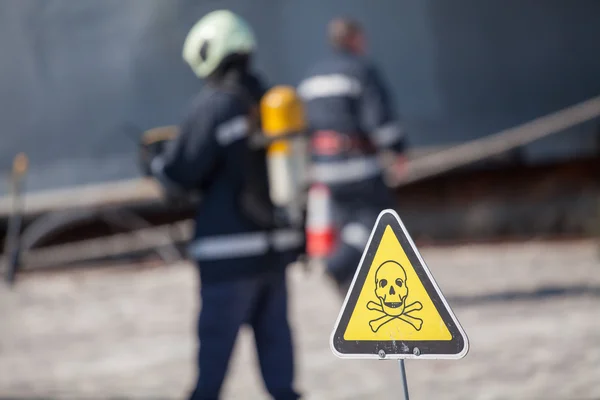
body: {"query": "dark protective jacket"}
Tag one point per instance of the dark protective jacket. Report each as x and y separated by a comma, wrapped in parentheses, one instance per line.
(351, 118)
(207, 156)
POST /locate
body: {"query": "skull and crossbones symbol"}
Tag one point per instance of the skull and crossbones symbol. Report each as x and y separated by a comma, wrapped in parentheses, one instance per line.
(391, 290)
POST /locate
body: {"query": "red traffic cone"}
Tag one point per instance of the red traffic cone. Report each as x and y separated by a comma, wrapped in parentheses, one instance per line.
(320, 235)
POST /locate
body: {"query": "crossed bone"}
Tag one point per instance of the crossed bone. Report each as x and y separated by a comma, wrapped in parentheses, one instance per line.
(377, 323)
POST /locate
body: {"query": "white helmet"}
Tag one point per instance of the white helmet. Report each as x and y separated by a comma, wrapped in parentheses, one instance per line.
(217, 35)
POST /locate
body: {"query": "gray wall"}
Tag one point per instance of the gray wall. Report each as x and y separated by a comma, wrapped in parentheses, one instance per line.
(75, 74)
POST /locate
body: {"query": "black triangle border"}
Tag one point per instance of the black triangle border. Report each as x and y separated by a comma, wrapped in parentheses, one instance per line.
(455, 348)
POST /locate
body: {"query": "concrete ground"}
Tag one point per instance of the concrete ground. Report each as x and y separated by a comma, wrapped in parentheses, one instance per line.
(531, 311)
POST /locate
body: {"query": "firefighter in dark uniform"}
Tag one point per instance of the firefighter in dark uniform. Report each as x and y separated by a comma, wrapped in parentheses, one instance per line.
(241, 260)
(353, 126)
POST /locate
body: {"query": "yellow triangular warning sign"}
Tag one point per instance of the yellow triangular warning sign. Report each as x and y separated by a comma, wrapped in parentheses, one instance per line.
(394, 308)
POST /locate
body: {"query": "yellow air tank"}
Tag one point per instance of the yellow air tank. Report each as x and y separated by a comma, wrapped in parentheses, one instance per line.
(282, 113)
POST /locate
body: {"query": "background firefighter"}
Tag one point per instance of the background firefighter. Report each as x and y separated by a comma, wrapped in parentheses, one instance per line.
(351, 120)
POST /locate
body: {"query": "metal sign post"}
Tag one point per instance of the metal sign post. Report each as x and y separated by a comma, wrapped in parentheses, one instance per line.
(404, 381)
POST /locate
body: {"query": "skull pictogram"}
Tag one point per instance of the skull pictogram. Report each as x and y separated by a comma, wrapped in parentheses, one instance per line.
(391, 289)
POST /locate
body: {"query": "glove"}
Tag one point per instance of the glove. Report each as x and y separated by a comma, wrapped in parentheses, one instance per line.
(152, 143)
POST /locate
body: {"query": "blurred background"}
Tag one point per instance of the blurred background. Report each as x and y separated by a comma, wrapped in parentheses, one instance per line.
(98, 302)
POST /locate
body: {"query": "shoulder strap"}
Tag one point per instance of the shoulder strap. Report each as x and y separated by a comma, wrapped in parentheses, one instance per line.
(257, 139)
(243, 94)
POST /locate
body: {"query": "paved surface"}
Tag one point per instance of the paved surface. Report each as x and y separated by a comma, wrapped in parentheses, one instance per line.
(532, 313)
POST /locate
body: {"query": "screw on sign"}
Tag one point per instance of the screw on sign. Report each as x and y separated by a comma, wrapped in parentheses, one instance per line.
(394, 309)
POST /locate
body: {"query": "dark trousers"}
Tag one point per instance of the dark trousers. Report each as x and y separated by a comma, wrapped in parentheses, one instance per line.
(342, 263)
(260, 302)
(358, 205)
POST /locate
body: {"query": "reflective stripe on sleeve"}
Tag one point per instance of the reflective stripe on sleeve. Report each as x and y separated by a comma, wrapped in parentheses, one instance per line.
(346, 171)
(232, 130)
(329, 86)
(242, 245)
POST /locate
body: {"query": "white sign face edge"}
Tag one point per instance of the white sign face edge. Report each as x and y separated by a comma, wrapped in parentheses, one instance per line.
(457, 356)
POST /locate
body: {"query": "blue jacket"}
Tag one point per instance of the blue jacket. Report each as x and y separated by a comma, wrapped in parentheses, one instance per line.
(351, 118)
(206, 157)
